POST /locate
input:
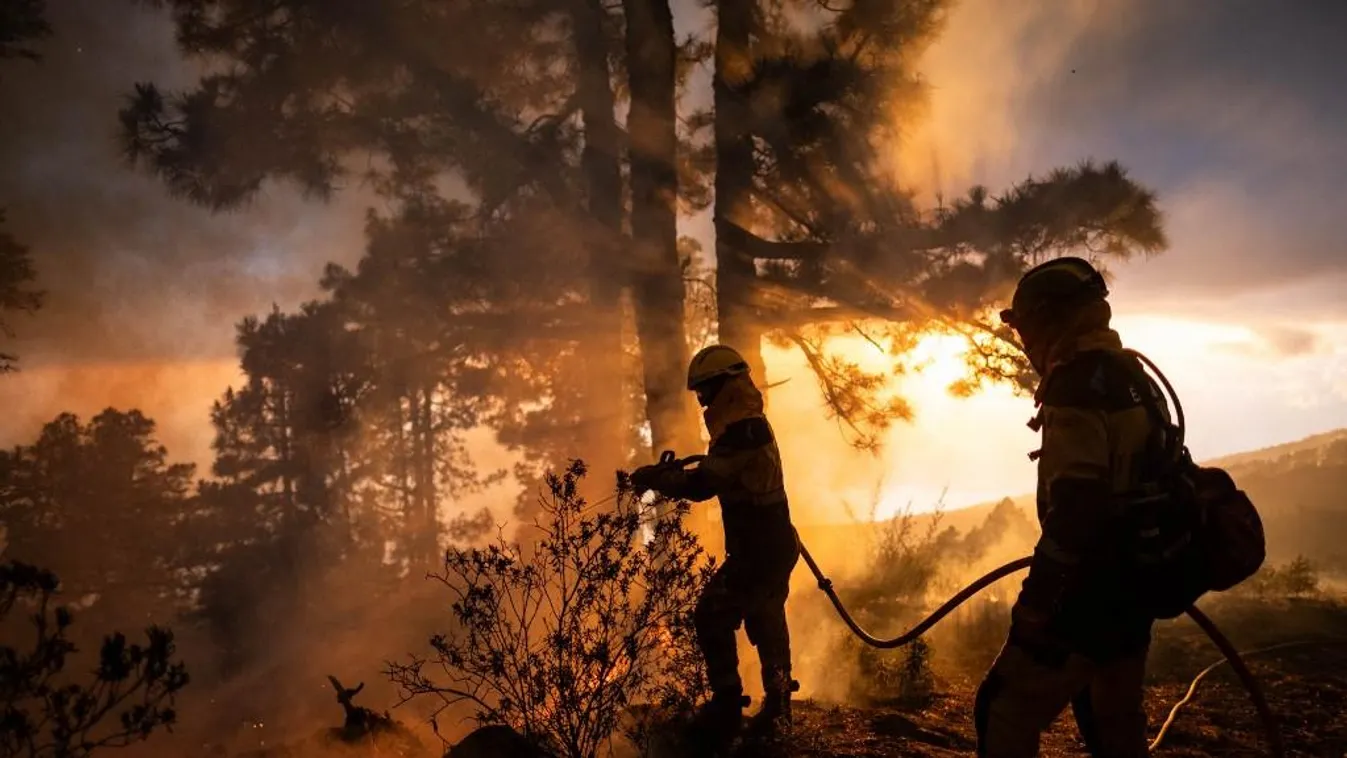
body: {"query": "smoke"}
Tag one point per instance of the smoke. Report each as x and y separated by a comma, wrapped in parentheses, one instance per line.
(983, 72)
(142, 289)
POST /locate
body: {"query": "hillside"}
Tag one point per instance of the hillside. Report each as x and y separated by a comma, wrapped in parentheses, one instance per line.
(1300, 489)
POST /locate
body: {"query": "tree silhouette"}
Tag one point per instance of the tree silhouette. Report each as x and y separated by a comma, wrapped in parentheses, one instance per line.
(16, 292)
(100, 503)
(814, 234)
(44, 714)
(511, 103)
(22, 21)
(816, 237)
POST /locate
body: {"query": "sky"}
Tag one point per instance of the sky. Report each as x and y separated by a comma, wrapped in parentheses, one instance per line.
(1229, 109)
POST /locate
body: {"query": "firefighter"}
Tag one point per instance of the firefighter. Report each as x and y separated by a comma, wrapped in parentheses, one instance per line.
(743, 470)
(1075, 637)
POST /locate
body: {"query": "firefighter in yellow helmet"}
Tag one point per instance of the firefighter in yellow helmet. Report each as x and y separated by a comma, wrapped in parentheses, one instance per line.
(1075, 638)
(743, 470)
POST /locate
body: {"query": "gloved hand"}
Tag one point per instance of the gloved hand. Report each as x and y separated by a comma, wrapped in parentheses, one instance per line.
(645, 478)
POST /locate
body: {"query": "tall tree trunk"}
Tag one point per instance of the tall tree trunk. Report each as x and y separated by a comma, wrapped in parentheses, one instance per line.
(602, 432)
(430, 511)
(657, 277)
(422, 529)
(739, 324)
(403, 473)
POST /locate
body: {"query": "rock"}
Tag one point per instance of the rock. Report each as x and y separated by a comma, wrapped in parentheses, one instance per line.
(496, 741)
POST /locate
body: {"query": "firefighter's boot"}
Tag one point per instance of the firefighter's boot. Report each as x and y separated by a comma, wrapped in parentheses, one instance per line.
(773, 721)
(722, 714)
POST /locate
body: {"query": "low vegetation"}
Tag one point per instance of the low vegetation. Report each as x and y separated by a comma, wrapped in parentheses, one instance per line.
(45, 711)
(561, 638)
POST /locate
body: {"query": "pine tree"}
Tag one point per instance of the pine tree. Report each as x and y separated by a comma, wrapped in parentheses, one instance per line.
(100, 503)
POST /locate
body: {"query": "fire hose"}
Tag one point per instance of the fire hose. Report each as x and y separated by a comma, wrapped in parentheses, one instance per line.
(1231, 655)
(1222, 643)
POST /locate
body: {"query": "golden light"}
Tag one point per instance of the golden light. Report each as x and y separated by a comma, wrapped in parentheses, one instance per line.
(956, 451)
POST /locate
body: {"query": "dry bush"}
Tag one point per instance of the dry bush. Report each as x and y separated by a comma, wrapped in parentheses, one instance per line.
(560, 641)
(915, 566)
(1299, 578)
(42, 713)
(904, 565)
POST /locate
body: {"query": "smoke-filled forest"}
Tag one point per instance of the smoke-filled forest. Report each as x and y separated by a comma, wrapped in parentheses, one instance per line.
(415, 530)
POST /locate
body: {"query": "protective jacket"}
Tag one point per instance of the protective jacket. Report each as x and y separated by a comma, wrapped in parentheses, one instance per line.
(743, 469)
(1100, 445)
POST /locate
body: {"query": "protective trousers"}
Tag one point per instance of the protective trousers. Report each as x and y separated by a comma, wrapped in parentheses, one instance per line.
(738, 594)
(1021, 697)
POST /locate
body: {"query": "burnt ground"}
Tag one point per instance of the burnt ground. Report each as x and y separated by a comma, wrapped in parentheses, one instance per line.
(1306, 688)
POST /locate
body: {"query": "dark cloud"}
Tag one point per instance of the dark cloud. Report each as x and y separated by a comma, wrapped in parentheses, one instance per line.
(1232, 110)
(132, 273)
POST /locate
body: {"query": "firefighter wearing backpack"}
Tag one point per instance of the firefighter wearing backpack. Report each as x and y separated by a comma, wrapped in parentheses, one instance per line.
(1074, 637)
(743, 470)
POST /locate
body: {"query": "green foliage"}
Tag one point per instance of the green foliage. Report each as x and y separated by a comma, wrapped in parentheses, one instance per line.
(42, 713)
(558, 641)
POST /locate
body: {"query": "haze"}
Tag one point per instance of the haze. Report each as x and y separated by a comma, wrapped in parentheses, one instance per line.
(1227, 108)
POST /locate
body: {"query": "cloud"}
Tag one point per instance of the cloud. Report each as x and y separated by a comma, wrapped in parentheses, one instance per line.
(1292, 341)
(143, 290)
(1230, 110)
(131, 272)
(990, 55)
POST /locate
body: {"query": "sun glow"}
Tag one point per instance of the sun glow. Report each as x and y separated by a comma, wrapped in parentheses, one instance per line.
(958, 451)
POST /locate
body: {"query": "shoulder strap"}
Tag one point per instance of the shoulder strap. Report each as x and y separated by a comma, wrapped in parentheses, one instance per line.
(1178, 450)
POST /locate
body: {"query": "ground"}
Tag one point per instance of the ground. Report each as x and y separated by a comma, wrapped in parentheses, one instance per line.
(1305, 686)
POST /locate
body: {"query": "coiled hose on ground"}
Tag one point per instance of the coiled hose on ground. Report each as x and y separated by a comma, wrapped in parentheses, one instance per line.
(1228, 650)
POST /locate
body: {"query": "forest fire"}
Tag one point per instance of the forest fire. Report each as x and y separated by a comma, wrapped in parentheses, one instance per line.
(350, 366)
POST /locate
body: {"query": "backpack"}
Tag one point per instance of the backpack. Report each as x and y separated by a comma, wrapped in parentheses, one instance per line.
(1192, 532)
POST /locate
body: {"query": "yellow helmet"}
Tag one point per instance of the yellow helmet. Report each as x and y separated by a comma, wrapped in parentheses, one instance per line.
(715, 361)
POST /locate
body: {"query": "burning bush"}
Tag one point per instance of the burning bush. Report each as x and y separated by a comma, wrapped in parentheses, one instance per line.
(559, 640)
(131, 696)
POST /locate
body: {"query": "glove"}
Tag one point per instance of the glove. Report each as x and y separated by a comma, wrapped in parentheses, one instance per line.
(645, 478)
